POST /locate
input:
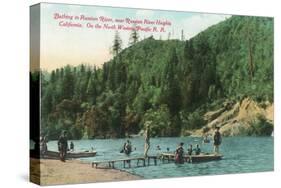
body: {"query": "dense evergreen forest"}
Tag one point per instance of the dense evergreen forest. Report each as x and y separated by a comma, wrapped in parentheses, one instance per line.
(168, 84)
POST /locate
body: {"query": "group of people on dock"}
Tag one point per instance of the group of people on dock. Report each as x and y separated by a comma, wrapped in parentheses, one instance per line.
(179, 153)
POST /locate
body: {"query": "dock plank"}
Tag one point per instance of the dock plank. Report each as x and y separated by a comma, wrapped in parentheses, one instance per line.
(192, 158)
(125, 160)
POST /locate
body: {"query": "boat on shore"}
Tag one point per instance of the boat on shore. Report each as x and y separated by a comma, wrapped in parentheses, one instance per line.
(70, 155)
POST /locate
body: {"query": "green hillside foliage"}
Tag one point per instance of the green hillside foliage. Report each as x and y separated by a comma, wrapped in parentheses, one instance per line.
(170, 83)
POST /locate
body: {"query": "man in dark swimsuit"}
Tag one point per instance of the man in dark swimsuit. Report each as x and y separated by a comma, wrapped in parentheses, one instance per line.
(63, 146)
(217, 140)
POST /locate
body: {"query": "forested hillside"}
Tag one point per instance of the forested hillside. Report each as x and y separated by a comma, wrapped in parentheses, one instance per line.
(169, 84)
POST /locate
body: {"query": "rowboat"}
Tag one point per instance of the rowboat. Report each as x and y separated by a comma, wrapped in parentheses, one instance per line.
(69, 155)
(192, 158)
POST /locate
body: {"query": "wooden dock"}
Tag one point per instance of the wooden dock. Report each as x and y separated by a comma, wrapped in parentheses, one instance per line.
(191, 158)
(141, 162)
(164, 157)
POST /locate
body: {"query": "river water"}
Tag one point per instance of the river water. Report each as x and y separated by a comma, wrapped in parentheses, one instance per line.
(241, 155)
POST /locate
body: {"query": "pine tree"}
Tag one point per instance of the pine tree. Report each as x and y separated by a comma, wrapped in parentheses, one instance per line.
(92, 90)
(249, 40)
(172, 88)
(67, 83)
(53, 77)
(82, 69)
(169, 35)
(117, 44)
(182, 35)
(134, 37)
(112, 75)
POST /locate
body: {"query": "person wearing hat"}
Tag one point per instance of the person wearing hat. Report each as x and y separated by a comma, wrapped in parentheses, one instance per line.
(63, 145)
(179, 154)
(217, 140)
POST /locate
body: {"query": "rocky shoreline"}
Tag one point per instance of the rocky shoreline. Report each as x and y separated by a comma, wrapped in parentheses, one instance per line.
(242, 118)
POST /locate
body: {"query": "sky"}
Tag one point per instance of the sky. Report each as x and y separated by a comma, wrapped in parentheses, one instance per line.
(60, 46)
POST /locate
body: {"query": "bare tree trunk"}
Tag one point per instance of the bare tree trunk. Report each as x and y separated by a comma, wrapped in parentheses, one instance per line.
(250, 61)
(251, 64)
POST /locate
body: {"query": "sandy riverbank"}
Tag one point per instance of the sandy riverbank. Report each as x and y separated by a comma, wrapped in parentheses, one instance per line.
(54, 172)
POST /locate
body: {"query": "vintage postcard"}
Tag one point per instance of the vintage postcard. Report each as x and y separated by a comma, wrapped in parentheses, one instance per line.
(127, 94)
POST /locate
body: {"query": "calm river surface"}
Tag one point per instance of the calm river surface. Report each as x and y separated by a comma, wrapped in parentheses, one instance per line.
(241, 155)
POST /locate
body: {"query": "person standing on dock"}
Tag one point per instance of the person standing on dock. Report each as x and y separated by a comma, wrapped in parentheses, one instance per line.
(217, 140)
(197, 150)
(147, 139)
(63, 146)
(190, 150)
